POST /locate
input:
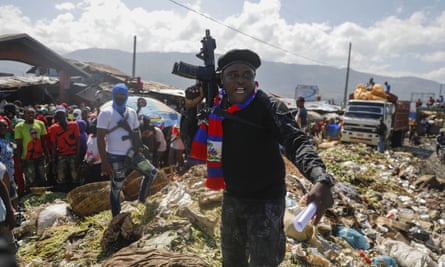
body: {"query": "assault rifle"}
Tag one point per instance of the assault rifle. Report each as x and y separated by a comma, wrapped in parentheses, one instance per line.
(205, 74)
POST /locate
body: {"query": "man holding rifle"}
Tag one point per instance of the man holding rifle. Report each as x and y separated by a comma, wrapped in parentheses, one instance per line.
(240, 143)
(119, 145)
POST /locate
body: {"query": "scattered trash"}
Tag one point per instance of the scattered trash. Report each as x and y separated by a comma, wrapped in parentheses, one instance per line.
(388, 210)
(384, 261)
(356, 239)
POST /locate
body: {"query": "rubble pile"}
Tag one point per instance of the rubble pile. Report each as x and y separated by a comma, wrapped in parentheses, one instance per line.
(388, 210)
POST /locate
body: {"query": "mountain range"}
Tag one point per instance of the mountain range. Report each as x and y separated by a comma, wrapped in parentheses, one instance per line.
(279, 78)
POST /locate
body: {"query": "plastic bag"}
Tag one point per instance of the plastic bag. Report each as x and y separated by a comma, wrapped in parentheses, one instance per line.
(353, 237)
(386, 261)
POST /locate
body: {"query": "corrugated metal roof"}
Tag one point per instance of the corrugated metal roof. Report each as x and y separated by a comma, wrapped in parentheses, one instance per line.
(23, 48)
(91, 67)
(16, 81)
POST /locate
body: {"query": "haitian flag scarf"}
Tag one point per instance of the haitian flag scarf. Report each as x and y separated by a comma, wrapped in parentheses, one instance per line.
(208, 140)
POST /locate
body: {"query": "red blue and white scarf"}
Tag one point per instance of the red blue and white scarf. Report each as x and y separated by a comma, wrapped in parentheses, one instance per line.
(207, 143)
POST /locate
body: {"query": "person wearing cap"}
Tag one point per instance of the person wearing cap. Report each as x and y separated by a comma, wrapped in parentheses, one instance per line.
(83, 128)
(116, 125)
(241, 146)
(65, 150)
(77, 113)
(301, 116)
(30, 136)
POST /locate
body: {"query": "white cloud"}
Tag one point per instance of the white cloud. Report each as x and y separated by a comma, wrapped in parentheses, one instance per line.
(111, 24)
(436, 75)
(438, 56)
(65, 6)
(13, 21)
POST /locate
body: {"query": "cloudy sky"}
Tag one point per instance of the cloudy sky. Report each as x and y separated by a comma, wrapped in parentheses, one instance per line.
(388, 37)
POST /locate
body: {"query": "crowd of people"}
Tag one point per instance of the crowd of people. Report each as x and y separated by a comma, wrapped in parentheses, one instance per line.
(431, 102)
(49, 145)
(323, 128)
(56, 146)
(64, 146)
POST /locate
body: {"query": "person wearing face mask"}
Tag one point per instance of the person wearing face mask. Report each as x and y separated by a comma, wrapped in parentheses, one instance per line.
(241, 145)
(118, 139)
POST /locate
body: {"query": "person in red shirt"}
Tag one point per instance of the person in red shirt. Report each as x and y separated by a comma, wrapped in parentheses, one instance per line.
(65, 139)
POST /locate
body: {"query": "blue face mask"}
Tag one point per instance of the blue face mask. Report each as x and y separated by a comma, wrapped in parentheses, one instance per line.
(119, 103)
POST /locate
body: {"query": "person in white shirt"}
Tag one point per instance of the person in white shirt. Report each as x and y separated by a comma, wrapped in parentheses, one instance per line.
(118, 139)
(92, 158)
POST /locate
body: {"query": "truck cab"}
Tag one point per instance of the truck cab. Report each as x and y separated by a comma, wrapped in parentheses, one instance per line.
(361, 118)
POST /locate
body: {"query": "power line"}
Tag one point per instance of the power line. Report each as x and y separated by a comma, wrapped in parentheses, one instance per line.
(245, 34)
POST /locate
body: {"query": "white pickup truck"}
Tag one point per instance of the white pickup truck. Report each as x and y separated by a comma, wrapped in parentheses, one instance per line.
(361, 118)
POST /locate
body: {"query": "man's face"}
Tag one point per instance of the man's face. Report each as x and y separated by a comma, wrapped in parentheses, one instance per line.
(238, 80)
(29, 116)
(119, 99)
(300, 104)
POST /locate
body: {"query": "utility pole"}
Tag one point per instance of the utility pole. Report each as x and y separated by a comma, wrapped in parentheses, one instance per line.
(347, 77)
(134, 57)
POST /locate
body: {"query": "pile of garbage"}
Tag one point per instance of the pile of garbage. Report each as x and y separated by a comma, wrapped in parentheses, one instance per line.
(389, 211)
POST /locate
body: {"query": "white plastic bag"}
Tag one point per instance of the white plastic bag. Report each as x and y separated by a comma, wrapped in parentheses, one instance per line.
(49, 215)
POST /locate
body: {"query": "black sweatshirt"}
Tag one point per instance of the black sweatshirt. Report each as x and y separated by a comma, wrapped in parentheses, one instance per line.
(253, 167)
